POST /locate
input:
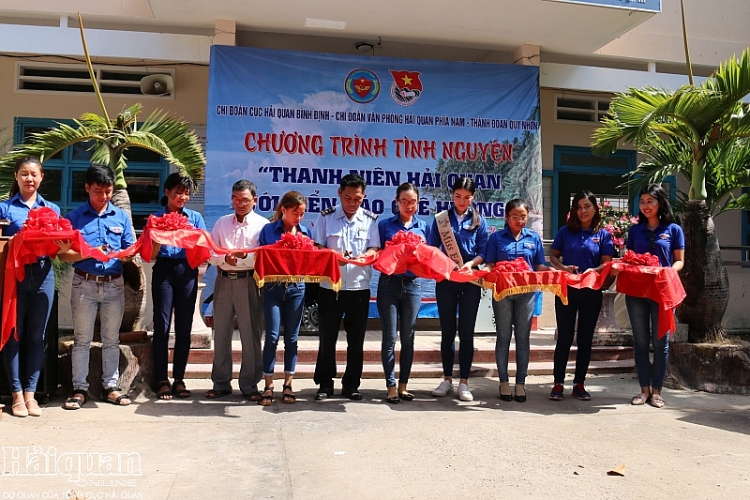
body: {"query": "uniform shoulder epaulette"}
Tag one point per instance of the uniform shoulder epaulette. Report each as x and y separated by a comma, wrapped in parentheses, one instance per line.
(370, 214)
(328, 211)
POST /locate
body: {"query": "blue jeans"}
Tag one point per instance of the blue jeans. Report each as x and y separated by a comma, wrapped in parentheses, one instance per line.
(513, 315)
(399, 298)
(35, 296)
(86, 298)
(282, 302)
(174, 287)
(644, 319)
(462, 299)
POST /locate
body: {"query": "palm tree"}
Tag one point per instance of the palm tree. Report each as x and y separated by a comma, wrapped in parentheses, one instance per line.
(701, 132)
(110, 139)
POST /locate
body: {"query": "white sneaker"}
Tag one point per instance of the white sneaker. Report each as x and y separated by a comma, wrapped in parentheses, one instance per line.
(464, 394)
(445, 388)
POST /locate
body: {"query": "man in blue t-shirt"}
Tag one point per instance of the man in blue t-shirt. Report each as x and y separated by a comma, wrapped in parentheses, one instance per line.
(98, 286)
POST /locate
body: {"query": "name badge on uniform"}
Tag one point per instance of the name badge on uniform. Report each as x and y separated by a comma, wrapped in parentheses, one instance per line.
(530, 246)
(116, 229)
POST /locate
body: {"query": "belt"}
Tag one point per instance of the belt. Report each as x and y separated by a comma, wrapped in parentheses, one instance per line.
(402, 278)
(96, 277)
(235, 275)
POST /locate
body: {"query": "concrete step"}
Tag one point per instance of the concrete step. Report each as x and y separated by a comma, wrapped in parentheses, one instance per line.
(483, 354)
(428, 370)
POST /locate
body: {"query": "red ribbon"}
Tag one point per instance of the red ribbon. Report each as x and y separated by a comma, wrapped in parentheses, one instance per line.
(407, 252)
(35, 239)
(294, 258)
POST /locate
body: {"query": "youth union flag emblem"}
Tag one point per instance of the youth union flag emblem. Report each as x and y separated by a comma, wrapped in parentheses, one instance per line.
(362, 86)
(406, 88)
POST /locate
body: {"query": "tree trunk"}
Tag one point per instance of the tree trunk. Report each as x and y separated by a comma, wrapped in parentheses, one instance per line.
(132, 273)
(704, 277)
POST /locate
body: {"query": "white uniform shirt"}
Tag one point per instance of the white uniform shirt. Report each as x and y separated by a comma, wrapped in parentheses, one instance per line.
(334, 230)
(228, 233)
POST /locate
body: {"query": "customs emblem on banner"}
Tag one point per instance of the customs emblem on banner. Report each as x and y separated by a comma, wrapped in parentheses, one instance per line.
(362, 86)
(406, 88)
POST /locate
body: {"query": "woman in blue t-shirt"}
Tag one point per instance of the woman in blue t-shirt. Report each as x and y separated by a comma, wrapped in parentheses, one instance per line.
(399, 296)
(174, 288)
(35, 292)
(283, 303)
(513, 313)
(465, 234)
(578, 246)
(657, 234)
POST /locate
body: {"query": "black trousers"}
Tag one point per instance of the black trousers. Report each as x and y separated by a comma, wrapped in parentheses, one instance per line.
(586, 304)
(353, 307)
(174, 287)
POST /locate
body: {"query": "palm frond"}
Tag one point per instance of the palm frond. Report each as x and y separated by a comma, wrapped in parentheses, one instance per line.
(732, 79)
(186, 151)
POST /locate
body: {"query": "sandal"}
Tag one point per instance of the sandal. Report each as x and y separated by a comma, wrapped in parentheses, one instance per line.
(119, 399)
(75, 403)
(406, 396)
(267, 398)
(253, 396)
(164, 390)
(179, 389)
(217, 393)
(640, 399)
(288, 397)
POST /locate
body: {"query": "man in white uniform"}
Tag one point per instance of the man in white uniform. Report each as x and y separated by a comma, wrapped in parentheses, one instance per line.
(352, 231)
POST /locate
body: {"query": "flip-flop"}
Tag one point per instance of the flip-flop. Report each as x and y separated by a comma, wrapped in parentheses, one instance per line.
(217, 393)
(406, 396)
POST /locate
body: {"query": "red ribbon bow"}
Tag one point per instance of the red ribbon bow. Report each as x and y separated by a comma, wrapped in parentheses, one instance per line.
(295, 242)
(518, 265)
(640, 259)
(171, 221)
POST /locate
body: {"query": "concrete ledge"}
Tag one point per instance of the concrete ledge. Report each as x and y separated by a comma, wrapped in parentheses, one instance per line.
(136, 368)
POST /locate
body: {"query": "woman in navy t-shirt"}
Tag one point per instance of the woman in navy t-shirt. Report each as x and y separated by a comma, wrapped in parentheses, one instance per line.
(580, 245)
(469, 230)
(283, 303)
(35, 292)
(657, 234)
(513, 313)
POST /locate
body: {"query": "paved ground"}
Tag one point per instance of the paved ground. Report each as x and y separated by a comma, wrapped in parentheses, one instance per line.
(432, 448)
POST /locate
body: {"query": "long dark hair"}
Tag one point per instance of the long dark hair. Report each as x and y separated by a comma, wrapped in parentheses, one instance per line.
(467, 183)
(291, 199)
(666, 216)
(574, 224)
(174, 180)
(14, 189)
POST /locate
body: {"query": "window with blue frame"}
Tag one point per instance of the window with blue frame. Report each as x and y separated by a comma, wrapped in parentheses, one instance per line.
(64, 173)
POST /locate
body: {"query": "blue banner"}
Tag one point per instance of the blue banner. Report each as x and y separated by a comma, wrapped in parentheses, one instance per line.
(301, 120)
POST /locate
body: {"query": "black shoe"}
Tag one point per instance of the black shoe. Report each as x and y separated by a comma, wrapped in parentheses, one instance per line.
(352, 394)
(323, 393)
(521, 398)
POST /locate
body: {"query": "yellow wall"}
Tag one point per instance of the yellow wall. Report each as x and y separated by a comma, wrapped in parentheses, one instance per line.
(190, 101)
